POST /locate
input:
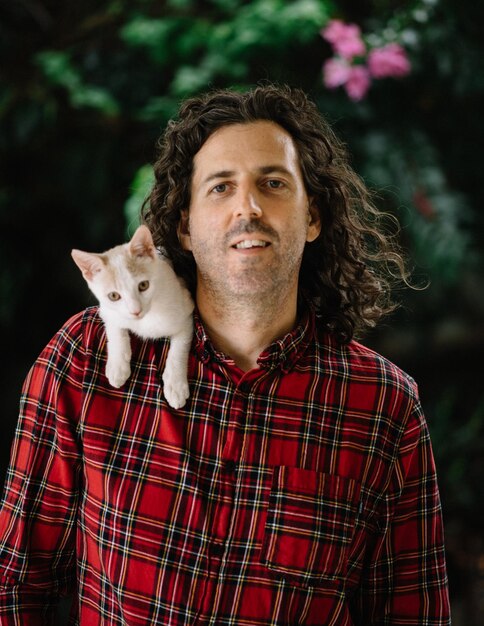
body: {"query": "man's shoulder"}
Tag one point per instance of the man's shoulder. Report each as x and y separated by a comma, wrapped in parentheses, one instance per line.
(358, 362)
(367, 358)
(87, 317)
(82, 326)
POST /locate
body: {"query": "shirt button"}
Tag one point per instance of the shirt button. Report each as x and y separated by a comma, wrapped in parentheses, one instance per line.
(230, 466)
(218, 549)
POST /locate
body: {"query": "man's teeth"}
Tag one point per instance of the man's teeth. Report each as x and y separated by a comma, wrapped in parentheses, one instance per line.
(254, 243)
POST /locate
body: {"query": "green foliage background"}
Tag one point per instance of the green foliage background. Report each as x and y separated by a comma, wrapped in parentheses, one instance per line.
(86, 89)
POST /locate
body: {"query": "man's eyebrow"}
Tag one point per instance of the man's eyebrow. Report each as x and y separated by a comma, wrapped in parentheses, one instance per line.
(220, 174)
(265, 169)
(270, 169)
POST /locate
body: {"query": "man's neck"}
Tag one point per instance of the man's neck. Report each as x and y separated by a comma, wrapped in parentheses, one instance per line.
(242, 331)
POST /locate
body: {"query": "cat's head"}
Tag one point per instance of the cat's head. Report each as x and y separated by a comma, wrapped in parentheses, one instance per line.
(122, 278)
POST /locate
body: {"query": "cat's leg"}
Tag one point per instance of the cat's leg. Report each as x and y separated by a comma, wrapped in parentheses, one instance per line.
(175, 380)
(118, 367)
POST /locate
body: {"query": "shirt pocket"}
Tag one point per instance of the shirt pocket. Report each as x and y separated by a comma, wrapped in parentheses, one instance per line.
(310, 523)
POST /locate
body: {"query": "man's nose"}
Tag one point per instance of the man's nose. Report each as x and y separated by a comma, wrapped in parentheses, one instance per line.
(247, 204)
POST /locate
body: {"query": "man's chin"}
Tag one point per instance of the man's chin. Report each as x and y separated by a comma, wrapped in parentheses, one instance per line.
(253, 292)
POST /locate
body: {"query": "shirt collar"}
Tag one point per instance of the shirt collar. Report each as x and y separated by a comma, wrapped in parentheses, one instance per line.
(283, 352)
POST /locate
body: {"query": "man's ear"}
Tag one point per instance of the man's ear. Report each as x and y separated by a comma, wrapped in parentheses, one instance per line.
(184, 231)
(314, 224)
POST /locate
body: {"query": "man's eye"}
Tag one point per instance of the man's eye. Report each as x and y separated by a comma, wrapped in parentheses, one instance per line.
(274, 184)
(220, 188)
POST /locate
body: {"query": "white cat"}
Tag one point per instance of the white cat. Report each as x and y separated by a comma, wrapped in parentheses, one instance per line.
(138, 291)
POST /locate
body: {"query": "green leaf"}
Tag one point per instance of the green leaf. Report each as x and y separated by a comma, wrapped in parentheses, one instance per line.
(143, 31)
(190, 79)
(58, 69)
(140, 188)
(159, 109)
(96, 98)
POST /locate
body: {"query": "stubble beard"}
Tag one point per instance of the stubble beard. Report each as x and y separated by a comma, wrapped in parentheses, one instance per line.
(253, 286)
(255, 289)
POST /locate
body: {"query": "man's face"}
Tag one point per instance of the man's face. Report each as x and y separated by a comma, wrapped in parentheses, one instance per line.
(249, 216)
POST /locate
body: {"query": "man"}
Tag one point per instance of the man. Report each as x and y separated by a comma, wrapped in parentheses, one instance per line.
(297, 485)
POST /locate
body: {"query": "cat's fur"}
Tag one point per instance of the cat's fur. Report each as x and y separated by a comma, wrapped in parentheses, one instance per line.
(138, 291)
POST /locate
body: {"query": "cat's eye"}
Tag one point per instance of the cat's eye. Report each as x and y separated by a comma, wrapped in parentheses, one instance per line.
(113, 296)
(143, 285)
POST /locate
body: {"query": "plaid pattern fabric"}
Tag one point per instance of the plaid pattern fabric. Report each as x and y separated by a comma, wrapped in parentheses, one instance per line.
(303, 492)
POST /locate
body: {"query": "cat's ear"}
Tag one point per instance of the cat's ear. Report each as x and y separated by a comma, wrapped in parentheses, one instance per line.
(141, 243)
(89, 263)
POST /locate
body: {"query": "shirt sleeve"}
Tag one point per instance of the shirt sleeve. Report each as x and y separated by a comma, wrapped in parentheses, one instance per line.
(405, 581)
(39, 507)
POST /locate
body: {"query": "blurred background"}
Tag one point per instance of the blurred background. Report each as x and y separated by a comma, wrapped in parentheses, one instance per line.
(86, 89)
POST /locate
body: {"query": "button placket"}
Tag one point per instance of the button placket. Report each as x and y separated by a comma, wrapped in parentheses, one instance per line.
(227, 471)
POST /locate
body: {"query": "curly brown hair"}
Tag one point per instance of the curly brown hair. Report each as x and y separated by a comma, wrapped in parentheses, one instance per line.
(348, 271)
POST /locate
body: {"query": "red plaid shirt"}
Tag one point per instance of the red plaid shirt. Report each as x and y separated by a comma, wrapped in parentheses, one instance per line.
(302, 492)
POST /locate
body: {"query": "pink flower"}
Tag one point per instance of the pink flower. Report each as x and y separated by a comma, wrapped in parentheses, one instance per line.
(358, 82)
(344, 38)
(389, 60)
(341, 70)
(335, 72)
(355, 78)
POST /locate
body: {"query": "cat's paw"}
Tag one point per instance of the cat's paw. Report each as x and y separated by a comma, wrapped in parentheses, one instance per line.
(176, 391)
(118, 372)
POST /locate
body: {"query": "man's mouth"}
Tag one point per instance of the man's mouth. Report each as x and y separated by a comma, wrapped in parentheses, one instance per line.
(250, 243)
